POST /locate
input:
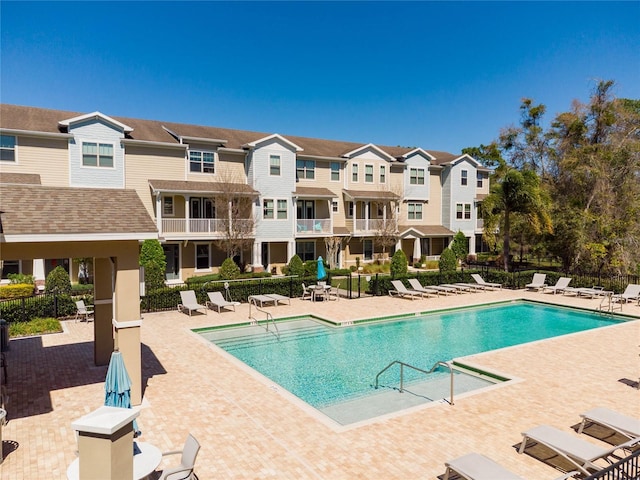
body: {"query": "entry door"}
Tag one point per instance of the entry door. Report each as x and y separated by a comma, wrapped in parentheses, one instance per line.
(172, 254)
(265, 255)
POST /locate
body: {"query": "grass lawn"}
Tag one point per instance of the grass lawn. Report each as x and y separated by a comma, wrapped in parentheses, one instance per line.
(36, 326)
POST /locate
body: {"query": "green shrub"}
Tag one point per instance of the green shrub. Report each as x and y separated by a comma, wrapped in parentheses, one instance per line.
(295, 266)
(153, 276)
(459, 246)
(21, 278)
(16, 291)
(58, 282)
(229, 270)
(36, 326)
(25, 309)
(399, 264)
(448, 261)
(154, 261)
(81, 288)
(310, 268)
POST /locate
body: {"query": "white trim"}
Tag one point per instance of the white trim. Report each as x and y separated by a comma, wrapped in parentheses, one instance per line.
(96, 115)
(127, 324)
(217, 141)
(145, 143)
(271, 137)
(31, 133)
(461, 158)
(372, 146)
(75, 237)
(419, 150)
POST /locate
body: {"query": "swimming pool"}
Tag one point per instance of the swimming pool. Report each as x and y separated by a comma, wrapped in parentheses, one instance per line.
(332, 367)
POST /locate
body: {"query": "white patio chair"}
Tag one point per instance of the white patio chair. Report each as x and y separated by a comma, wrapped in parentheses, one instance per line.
(184, 471)
(83, 311)
(190, 302)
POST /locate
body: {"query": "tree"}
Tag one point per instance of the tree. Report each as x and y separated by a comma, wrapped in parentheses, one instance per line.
(229, 269)
(58, 282)
(154, 261)
(459, 246)
(333, 245)
(596, 182)
(448, 261)
(234, 212)
(514, 192)
(399, 264)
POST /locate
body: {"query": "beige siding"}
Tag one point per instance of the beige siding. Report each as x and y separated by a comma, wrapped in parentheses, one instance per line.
(144, 163)
(48, 157)
(229, 167)
(432, 213)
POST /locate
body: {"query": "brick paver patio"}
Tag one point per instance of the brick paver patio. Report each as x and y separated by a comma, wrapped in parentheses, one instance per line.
(248, 429)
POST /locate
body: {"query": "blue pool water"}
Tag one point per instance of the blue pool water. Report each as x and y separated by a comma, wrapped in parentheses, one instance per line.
(324, 365)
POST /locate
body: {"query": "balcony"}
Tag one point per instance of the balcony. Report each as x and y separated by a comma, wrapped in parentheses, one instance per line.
(314, 226)
(213, 227)
(372, 225)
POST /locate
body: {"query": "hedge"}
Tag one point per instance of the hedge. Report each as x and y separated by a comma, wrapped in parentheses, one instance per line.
(26, 308)
(15, 290)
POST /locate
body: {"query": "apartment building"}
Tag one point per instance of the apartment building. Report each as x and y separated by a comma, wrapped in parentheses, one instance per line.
(260, 197)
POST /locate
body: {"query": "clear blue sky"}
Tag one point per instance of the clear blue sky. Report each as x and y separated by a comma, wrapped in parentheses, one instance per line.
(440, 75)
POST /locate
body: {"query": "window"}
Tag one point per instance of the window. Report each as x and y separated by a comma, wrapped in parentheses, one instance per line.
(335, 171)
(350, 210)
(354, 172)
(463, 211)
(368, 249)
(167, 206)
(97, 155)
(8, 148)
(306, 250)
(368, 173)
(479, 178)
(274, 165)
(305, 169)
(463, 177)
(282, 209)
(201, 162)
(203, 256)
(415, 211)
(334, 206)
(267, 208)
(416, 176)
(383, 174)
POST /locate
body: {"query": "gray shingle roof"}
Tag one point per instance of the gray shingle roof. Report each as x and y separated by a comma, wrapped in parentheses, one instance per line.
(22, 178)
(314, 192)
(46, 120)
(201, 187)
(39, 210)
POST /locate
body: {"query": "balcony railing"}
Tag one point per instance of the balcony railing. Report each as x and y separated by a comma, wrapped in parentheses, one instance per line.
(313, 226)
(374, 224)
(215, 226)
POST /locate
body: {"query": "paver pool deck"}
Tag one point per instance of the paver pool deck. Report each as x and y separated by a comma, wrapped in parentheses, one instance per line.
(250, 429)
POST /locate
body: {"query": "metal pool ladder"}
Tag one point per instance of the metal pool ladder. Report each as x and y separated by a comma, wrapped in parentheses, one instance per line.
(402, 365)
(254, 321)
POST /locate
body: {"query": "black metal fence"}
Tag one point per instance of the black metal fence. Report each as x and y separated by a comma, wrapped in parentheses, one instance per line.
(627, 468)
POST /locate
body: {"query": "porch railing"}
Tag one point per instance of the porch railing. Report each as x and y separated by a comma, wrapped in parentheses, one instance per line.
(199, 225)
(313, 226)
(373, 224)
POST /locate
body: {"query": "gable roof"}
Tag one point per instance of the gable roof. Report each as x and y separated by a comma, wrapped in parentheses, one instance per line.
(22, 178)
(64, 213)
(16, 117)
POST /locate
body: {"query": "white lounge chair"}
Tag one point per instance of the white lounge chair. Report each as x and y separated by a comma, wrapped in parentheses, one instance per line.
(217, 300)
(580, 453)
(560, 286)
(480, 281)
(83, 312)
(402, 291)
(262, 299)
(418, 287)
(538, 281)
(458, 287)
(444, 290)
(632, 292)
(279, 298)
(627, 426)
(184, 471)
(190, 302)
(474, 466)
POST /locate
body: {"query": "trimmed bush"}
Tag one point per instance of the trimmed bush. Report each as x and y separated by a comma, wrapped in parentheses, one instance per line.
(21, 278)
(16, 291)
(448, 261)
(154, 261)
(229, 270)
(399, 264)
(58, 282)
(459, 246)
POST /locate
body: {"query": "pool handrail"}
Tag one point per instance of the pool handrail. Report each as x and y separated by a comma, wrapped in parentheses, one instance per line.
(403, 364)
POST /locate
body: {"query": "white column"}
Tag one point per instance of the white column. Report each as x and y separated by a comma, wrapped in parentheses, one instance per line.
(159, 212)
(256, 260)
(38, 269)
(399, 244)
(367, 214)
(291, 249)
(187, 227)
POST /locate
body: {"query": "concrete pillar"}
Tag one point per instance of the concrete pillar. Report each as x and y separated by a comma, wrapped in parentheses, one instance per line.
(256, 256)
(127, 321)
(105, 444)
(103, 310)
(291, 249)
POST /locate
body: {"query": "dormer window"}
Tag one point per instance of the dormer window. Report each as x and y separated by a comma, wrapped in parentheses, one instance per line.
(97, 155)
(201, 161)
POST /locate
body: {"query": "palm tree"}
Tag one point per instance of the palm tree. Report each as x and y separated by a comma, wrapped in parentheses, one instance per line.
(514, 192)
